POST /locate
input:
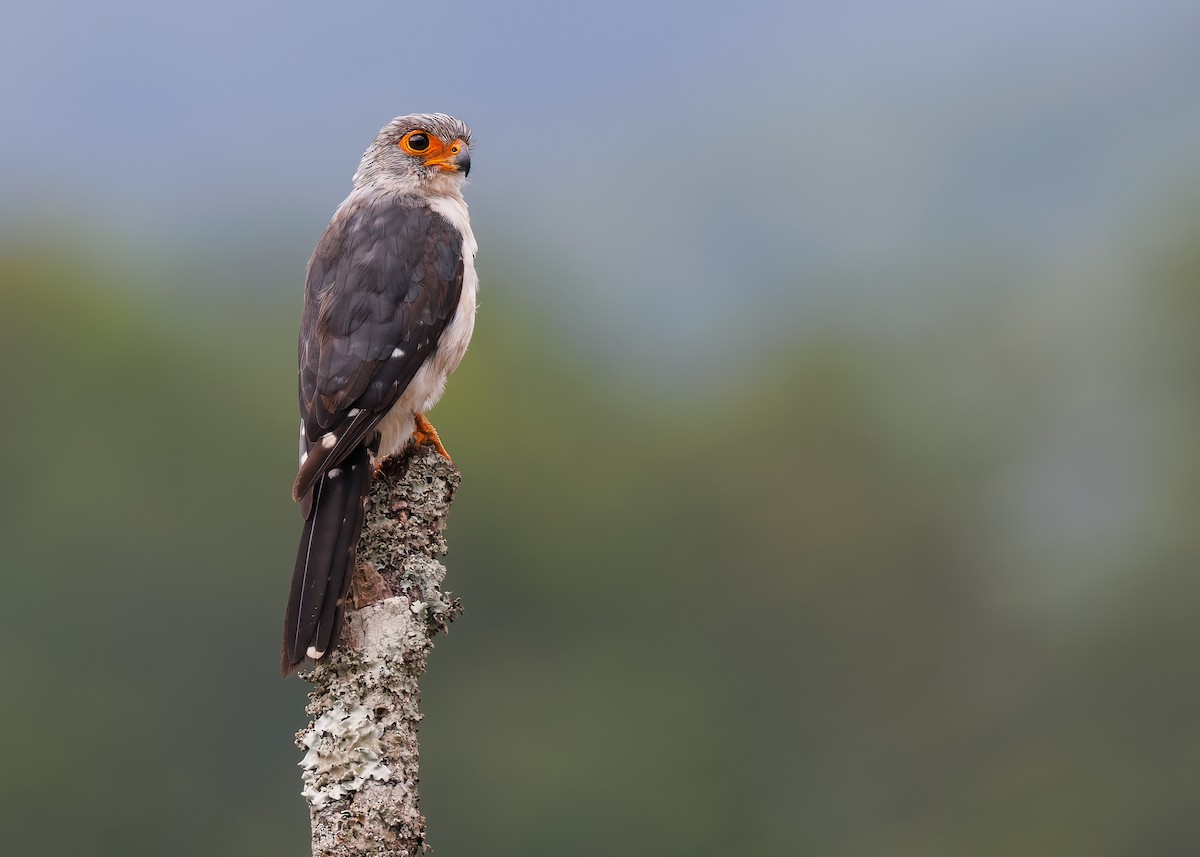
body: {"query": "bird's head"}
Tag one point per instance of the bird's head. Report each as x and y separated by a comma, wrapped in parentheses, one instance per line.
(419, 153)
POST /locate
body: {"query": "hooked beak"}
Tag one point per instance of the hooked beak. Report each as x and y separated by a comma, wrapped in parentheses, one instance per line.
(451, 159)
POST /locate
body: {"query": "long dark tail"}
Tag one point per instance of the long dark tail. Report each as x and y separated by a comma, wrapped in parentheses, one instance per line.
(325, 560)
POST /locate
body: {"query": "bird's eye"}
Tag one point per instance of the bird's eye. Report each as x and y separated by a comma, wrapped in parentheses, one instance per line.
(415, 142)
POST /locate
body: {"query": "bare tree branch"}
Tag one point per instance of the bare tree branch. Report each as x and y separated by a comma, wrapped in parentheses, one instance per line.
(360, 769)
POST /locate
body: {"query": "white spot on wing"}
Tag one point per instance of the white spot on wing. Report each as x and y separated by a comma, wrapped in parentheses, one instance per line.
(329, 440)
(335, 473)
(315, 653)
(397, 352)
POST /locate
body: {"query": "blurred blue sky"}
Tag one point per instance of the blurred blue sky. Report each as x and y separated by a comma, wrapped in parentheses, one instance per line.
(731, 165)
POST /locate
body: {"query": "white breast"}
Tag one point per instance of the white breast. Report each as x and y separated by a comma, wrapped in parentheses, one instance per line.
(430, 381)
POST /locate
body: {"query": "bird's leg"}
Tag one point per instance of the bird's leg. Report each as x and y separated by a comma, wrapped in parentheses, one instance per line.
(376, 459)
(424, 432)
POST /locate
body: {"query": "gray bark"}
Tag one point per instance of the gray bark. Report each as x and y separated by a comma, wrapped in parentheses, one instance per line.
(360, 768)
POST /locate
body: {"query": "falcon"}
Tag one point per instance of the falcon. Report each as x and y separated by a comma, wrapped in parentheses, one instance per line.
(389, 307)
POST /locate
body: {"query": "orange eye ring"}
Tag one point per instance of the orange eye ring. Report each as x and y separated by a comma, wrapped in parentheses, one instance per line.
(418, 142)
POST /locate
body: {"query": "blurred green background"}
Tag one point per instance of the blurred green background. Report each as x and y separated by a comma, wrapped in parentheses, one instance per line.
(828, 438)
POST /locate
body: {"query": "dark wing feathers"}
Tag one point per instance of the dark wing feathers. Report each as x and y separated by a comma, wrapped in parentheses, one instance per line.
(383, 283)
(324, 562)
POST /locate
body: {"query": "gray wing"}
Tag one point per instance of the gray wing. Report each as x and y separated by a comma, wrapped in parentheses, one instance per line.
(383, 283)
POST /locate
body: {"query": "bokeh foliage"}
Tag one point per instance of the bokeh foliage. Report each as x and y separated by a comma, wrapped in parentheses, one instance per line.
(802, 610)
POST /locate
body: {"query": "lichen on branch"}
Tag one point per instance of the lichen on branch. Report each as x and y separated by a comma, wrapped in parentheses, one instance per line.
(360, 765)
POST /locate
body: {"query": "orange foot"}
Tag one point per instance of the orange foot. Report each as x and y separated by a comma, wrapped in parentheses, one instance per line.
(424, 432)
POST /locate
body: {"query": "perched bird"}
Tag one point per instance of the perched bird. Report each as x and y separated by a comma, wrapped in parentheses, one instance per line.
(389, 307)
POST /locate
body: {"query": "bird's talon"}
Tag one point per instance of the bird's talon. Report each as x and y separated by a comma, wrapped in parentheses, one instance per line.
(425, 433)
